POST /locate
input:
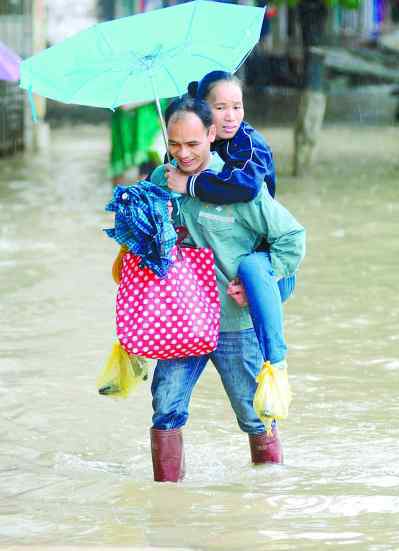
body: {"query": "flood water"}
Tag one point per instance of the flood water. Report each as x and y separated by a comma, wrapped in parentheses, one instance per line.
(75, 467)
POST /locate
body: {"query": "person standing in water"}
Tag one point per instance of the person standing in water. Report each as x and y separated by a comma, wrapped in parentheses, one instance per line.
(231, 231)
(248, 166)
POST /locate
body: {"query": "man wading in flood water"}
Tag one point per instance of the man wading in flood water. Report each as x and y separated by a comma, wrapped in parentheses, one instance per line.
(232, 232)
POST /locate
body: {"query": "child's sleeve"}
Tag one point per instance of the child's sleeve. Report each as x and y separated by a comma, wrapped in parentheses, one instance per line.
(248, 163)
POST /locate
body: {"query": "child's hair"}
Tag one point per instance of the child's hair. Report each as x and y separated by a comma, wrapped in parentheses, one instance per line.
(203, 88)
(187, 104)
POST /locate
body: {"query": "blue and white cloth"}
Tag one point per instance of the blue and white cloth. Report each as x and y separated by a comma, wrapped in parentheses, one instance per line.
(143, 224)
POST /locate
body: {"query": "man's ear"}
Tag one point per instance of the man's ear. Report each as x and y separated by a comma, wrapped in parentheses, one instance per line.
(212, 133)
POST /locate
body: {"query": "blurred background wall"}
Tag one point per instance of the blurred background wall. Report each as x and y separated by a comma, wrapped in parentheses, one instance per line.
(273, 72)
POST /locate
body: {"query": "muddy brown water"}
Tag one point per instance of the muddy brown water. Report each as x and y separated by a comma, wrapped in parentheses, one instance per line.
(75, 467)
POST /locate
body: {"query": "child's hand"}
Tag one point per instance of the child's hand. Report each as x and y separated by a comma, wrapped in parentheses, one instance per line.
(177, 181)
(237, 292)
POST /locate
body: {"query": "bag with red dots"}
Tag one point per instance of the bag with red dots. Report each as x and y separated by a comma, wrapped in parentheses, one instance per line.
(176, 316)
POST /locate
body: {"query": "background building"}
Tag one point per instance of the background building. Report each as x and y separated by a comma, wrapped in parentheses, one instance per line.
(28, 26)
(16, 32)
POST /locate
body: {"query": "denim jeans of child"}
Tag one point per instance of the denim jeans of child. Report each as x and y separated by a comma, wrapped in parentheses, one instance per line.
(238, 360)
(265, 297)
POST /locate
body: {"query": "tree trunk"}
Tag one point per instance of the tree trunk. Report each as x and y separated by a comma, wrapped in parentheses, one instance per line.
(309, 121)
(312, 17)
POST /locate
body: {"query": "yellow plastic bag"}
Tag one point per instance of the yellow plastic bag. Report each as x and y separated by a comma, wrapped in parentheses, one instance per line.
(122, 373)
(118, 263)
(273, 395)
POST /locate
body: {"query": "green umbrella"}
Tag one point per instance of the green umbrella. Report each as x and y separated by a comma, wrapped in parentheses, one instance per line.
(147, 56)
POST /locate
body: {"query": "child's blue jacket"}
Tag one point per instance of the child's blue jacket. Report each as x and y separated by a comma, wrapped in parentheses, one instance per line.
(248, 163)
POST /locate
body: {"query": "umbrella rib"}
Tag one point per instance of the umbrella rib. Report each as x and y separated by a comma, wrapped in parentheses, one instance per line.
(103, 38)
(44, 79)
(190, 25)
(131, 73)
(243, 60)
(225, 67)
(115, 102)
(105, 41)
(172, 78)
(100, 75)
(84, 84)
(243, 38)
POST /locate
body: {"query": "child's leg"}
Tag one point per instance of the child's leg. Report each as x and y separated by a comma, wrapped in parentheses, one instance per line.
(265, 304)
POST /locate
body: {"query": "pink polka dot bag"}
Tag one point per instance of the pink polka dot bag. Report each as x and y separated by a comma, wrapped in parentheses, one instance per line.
(171, 317)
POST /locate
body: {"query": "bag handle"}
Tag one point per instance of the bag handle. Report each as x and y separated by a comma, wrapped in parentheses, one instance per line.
(182, 233)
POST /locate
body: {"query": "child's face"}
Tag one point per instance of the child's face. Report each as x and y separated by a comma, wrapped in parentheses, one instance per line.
(225, 100)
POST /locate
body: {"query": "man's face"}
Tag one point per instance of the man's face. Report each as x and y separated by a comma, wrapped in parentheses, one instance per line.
(189, 142)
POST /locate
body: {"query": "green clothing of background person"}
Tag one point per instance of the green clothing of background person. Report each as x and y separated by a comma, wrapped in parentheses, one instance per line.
(133, 133)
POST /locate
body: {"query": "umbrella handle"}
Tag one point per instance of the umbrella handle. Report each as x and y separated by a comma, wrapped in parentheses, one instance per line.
(163, 127)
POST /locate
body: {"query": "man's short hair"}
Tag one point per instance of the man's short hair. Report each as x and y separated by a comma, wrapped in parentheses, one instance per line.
(186, 104)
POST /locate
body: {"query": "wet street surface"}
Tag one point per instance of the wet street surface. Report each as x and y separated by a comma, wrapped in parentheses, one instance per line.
(75, 467)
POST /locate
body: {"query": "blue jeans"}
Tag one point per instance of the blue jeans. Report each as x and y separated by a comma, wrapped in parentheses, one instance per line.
(265, 297)
(237, 359)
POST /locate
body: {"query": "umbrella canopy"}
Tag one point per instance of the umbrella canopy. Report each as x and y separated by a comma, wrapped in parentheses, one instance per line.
(145, 56)
(9, 64)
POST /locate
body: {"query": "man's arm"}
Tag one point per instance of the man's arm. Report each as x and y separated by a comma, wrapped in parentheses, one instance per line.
(285, 236)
